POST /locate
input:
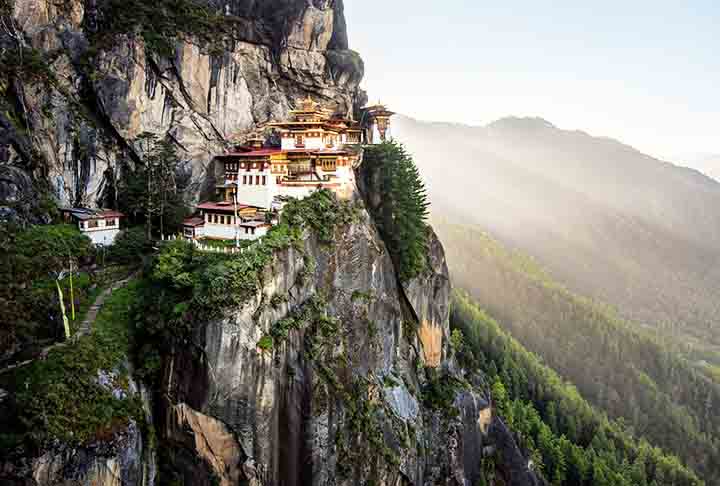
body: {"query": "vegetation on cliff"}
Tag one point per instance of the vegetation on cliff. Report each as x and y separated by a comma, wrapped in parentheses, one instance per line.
(31, 260)
(80, 392)
(570, 441)
(186, 286)
(161, 24)
(402, 213)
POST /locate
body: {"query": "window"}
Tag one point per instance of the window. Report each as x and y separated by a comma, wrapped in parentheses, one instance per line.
(257, 180)
(92, 223)
(245, 180)
(264, 180)
(250, 181)
(110, 222)
(299, 141)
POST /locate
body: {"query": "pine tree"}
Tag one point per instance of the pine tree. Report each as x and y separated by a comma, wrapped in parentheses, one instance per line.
(152, 191)
(403, 209)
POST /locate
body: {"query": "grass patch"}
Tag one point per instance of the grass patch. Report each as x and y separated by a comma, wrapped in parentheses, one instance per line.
(61, 397)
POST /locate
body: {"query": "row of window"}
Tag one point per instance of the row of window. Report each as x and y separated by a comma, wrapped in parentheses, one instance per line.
(95, 223)
(233, 166)
(300, 140)
(219, 219)
(227, 220)
(328, 165)
(233, 176)
(259, 180)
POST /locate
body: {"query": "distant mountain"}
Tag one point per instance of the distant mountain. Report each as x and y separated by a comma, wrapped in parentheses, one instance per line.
(608, 220)
(708, 164)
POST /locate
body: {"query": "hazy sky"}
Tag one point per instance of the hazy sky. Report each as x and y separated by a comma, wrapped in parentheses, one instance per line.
(644, 71)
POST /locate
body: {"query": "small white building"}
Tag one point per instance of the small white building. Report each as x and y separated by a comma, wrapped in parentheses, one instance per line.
(101, 225)
(225, 221)
(194, 228)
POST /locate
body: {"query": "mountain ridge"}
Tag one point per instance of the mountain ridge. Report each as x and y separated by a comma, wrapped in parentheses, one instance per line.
(612, 222)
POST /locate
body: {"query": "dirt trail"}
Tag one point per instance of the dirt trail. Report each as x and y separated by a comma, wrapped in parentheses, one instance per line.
(84, 329)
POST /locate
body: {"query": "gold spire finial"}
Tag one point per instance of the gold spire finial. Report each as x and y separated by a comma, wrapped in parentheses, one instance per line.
(308, 104)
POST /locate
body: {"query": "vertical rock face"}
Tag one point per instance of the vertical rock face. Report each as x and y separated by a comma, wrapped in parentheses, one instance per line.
(73, 132)
(429, 296)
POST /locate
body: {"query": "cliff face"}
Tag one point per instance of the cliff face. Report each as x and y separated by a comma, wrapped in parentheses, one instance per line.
(362, 388)
(320, 407)
(72, 122)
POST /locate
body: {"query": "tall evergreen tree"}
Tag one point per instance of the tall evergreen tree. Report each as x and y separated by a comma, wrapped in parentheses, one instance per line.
(153, 191)
(403, 209)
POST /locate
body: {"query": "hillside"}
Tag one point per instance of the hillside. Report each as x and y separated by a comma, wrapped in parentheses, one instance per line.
(626, 373)
(571, 441)
(611, 222)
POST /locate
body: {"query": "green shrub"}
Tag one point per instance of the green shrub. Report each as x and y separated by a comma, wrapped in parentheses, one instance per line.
(30, 261)
(130, 246)
(61, 398)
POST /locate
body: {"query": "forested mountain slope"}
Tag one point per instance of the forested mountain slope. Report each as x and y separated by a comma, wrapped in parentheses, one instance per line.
(611, 222)
(570, 441)
(629, 374)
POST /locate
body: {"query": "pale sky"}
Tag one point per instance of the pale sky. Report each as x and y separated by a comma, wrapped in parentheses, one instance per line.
(646, 72)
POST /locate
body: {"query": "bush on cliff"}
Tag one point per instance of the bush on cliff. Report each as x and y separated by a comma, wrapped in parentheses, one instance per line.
(185, 286)
(130, 246)
(30, 261)
(402, 213)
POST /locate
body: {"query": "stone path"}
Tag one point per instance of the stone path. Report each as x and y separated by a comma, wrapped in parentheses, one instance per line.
(83, 330)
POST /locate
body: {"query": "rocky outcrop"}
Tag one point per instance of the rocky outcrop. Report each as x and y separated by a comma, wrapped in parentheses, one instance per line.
(73, 124)
(124, 455)
(429, 296)
(114, 463)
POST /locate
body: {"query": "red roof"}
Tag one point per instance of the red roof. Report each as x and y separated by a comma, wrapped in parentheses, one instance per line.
(194, 221)
(273, 151)
(254, 153)
(110, 214)
(222, 206)
(85, 214)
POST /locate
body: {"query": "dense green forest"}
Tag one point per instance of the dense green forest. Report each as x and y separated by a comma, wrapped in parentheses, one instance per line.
(569, 441)
(616, 366)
